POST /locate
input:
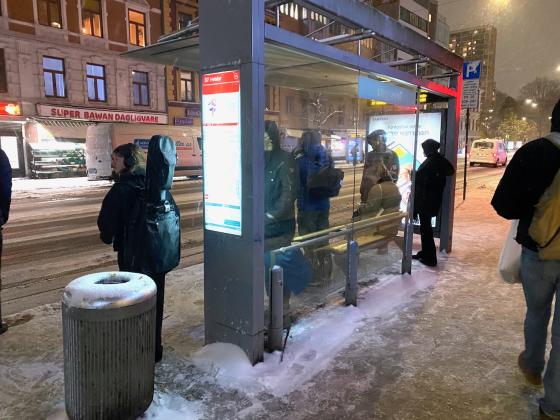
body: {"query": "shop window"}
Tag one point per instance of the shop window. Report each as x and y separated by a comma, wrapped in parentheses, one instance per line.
(3, 72)
(183, 20)
(186, 86)
(140, 88)
(53, 75)
(91, 18)
(49, 13)
(137, 28)
(96, 82)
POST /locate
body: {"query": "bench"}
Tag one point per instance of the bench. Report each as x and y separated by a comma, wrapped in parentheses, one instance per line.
(375, 232)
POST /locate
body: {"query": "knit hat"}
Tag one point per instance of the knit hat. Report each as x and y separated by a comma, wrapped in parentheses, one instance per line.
(555, 120)
(430, 146)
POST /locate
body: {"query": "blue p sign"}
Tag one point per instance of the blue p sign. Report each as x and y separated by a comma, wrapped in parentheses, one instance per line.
(471, 70)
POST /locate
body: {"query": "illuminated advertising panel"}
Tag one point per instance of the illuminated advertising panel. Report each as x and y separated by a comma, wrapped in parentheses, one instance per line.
(221, 131)
(400, 129)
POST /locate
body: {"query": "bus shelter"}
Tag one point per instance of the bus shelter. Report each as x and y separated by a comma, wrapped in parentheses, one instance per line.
(322, 97)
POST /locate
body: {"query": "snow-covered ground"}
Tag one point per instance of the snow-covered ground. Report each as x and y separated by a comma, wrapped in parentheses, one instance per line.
(440, 344)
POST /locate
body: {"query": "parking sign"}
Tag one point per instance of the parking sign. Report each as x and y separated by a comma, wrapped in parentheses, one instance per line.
(471, 84)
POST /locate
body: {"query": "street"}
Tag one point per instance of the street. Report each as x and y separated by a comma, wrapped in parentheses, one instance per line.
(52, 237)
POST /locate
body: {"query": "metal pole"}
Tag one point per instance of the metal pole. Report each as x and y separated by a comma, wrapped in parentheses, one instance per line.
(406, 265)
(466, 154)
(351, 293)
(276, 308)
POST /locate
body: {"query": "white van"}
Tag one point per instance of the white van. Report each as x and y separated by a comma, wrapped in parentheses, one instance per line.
(489, 152)
(101, 140)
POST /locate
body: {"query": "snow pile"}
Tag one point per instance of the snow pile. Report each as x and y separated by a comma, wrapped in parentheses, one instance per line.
(313, 343)
(108, 289)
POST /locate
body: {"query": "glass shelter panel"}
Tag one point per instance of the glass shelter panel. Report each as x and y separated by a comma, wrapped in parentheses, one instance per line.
(331, 176)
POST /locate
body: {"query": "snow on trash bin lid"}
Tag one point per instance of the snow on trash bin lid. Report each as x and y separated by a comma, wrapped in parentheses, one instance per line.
(113, 289)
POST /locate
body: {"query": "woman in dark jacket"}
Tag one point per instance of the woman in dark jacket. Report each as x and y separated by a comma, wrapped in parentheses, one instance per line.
(428, 192)
(129, 172)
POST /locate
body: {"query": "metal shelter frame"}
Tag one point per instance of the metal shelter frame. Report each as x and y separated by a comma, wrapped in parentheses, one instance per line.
(234, 35)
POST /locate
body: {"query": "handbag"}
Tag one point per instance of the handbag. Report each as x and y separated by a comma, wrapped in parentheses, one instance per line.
(509, 265)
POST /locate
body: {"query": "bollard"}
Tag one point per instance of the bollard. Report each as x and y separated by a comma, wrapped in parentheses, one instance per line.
(276, 308)
(108, 322)
(351, 293)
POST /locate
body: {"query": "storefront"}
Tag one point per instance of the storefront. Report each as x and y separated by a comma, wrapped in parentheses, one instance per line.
(331, 100)
(56, 139)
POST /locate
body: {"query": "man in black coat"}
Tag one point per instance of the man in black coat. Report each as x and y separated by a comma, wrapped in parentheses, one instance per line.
(528, 175)
(5, 200)
(430, 182)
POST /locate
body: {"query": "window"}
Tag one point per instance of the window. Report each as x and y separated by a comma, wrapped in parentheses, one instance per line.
(186, 86)
(49, 13)
(289, 104)
(183, 20)
(140, 88)
(3, 78)
(137, 28)
(96, 82)
(53, 75)
(91, 18)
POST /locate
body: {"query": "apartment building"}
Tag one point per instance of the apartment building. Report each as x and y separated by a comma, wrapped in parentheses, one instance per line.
(479, 43)
(61, 70)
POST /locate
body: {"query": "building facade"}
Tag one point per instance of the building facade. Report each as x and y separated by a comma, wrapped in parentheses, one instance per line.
(479, 43)
(61, 63)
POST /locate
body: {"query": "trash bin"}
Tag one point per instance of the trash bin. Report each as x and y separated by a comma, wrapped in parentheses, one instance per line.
(108, 322)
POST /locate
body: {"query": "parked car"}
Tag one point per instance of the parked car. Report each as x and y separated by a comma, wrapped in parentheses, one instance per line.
(488, 152)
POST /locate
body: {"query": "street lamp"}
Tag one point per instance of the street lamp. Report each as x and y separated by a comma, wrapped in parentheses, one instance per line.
(528, 101)
(534, 105)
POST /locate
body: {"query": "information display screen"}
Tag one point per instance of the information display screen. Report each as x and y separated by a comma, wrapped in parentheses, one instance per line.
(221, 131)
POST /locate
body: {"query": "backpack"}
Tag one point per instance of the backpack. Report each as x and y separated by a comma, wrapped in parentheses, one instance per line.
(325, 183)
(545, 226)
(152, 240)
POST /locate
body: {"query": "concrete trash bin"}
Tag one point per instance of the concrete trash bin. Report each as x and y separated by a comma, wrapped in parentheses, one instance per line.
(108, 322)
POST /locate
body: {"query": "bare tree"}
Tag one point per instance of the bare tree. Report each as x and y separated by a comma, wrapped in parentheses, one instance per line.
(545, 93)
(316, 111)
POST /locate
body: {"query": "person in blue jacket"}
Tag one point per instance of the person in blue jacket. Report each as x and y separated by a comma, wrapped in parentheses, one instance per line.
(313, 210)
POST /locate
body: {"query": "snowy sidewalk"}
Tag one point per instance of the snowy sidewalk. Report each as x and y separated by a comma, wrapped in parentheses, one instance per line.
(440, 344)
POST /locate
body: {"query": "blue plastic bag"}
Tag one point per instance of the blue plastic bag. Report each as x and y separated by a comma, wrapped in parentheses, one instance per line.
(297, 271)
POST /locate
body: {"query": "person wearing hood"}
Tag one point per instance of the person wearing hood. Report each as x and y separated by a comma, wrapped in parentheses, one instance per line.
(280, 192)
(379, 153)
(529, 173)
(313, 210)
(428, 193)
(129, 173)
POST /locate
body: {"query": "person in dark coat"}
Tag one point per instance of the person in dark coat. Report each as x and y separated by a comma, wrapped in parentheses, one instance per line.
(379, 153)
(5, 201)
(313, 211)
(428, 192)
(530, 172)
(280, 192)
(129, 173)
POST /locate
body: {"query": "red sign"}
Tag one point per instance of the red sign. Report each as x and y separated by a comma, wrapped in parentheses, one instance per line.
(9, 109)
(216, 83)
(104, 115)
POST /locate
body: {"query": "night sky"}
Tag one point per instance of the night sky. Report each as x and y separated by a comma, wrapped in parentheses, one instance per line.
(528, 36)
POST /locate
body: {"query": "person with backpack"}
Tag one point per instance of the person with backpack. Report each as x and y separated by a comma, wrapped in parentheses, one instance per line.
(428, 193)
(379, 153)
(129, 173)
(521, 195)
(313, 203)
(145, 217)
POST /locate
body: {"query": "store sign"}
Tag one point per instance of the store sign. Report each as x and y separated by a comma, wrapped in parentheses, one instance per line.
(103, 115)
(10, 109)
(183, 121)
(193, 112)
(221, 132)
